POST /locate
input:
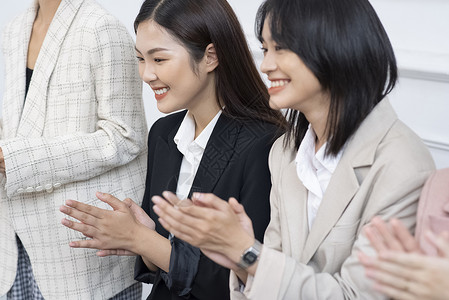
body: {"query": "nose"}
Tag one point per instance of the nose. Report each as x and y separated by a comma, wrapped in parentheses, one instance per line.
(268, 64)
(147, 72)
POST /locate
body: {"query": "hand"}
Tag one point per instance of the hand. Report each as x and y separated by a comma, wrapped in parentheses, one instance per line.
(211, 225)
(142, 217)
(391, 236)
(108, 230)
(2, 162)
(414, 275)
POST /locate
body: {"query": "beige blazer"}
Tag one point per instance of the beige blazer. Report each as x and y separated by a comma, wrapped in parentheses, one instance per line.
(81, 129)
(381, 172)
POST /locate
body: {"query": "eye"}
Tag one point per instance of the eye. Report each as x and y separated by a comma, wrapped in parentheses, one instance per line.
(158, 60)
(264, 50)
(278, 48)
(140, 58)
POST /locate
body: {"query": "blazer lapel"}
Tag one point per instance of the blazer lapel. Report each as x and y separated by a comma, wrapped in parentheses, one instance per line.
(34, 111)
(168, 161)
(338, 195)
(14, 105)
(295, 210)
(220, 149)
(360, 152)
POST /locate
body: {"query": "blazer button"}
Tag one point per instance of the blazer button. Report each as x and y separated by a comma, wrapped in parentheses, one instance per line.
(30, 189)
(20, 191)
(39, 188)
(57, 184)
(49, 187)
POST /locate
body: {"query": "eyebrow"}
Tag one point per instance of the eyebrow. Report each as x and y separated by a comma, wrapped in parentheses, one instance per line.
(152, 51)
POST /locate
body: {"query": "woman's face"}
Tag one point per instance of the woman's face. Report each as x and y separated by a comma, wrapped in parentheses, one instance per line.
(293, 85)
(165, 65)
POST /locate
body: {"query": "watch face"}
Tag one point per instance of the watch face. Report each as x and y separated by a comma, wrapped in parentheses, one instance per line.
(250, 258)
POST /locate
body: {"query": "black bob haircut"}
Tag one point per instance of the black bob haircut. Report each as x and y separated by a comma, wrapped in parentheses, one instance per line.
(346, 47)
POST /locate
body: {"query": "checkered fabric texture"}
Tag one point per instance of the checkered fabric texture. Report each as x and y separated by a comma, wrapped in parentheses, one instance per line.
(81, 129)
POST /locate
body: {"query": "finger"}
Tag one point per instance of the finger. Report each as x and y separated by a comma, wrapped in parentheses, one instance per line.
(407, 262)
(85, 229)
(407, 240)
(115, 252)
(178, 233)
(366, 260)
(171, 198)
(440, 242)
(79, 215)
(374, 237)
(387, 274)
(91, 244)
(177, 220)
(209, 200)
(197, 212)
(390, 241)
(86, 208)
(113, 202)
(236, 206)
(128, 202)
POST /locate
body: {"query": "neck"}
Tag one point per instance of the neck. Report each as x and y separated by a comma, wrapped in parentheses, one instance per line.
(47, 10)
(206, 107)
(318, 120)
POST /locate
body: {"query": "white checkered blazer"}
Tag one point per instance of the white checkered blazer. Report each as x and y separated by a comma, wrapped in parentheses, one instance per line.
(81, 129)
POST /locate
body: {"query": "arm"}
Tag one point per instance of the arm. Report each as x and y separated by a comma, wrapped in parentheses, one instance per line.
(254, 196)
(120, 130)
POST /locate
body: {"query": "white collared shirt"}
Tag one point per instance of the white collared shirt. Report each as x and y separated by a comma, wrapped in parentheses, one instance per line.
(315, 171)
(192, 151)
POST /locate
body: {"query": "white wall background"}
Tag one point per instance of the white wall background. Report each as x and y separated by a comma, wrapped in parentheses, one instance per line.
(418, 29)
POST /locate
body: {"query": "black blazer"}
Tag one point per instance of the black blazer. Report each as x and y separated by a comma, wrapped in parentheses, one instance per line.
(234, 164)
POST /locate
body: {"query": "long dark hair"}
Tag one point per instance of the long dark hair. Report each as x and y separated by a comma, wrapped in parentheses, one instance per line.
(196, 24)
(346, 47)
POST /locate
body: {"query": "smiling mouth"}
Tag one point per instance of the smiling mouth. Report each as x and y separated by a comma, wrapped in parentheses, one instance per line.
(277, 85)
(161, 93)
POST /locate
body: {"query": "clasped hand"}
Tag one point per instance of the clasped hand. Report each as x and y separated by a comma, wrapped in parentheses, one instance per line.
(114, 232)
(222, 230)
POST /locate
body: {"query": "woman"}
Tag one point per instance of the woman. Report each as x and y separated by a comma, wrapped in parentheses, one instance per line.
(193, 54)
(73, 121)
(345, 158)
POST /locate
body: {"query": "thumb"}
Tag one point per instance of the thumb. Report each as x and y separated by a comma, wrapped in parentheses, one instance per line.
(236, 206)
(115, 203)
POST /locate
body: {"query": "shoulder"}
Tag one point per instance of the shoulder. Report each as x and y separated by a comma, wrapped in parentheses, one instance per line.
(401, 147)
(258, 132)
(165, 125)
(93, 18)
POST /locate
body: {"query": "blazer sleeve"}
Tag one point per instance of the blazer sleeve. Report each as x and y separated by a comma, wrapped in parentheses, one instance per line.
(121, 125)
(210, 279)
(394, 193)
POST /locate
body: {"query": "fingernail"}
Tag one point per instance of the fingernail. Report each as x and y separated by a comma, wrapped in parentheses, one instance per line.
(72, 244)
(68, 202)
(155, 200)
(100, 194)
(197, 196)
(156, 209)
(65, 222)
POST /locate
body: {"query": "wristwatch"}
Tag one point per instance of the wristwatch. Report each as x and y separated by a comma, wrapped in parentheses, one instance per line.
(250, 255)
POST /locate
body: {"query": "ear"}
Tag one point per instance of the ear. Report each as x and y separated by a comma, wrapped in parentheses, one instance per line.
(211, 58)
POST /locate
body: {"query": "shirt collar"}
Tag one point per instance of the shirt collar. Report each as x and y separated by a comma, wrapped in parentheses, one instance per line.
(186, 133)
(307, 157)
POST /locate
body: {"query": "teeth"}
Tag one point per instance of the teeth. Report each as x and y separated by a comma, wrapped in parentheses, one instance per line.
(279, 83)
(161, 91)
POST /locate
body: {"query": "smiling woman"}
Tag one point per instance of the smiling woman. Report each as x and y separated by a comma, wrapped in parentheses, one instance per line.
(194, 56)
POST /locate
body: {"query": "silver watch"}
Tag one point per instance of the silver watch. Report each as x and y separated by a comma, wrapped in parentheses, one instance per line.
(250, 255)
